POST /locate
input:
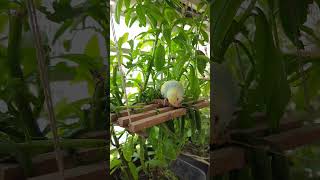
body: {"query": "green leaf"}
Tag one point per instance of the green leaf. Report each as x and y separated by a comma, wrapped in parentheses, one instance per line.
(273, 85)
(133, 170)
(181, 40)
(62, 30)
(202, 61)
(178, 67)
(128, 149)
(170, 15)
(118, 11)
(159, 58)
(166, 32)
(123, 39)
(222, 14)
(114, 163)
(194, 84)
(128, 16)
(141, 15)
(204, 35)
(293, 14)
(92, 48)
(67, 44)
(133, 19)
(127, 3)
(152, 20)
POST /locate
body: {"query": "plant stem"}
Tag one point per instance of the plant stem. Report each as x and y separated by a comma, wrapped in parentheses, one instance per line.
(98, 105)
(123, 160)
(114, 81)
(16, 73)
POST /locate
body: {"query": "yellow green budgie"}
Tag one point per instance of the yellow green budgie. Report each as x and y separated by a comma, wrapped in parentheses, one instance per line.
(173, 92)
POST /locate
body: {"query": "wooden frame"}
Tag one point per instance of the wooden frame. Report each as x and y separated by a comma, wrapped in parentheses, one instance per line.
(153, 114)
(293, 135)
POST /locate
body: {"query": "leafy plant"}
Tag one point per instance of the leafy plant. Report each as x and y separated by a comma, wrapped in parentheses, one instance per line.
(22, 94)
(263, 43)
(167, 50)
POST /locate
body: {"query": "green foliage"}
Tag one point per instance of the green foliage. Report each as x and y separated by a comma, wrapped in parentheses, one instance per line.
(20, 87)
(273, 86)
(222, 14)
(172, 54)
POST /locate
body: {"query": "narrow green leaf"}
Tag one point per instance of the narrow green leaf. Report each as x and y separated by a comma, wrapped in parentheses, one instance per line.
(222, 14)
(141, 15)
(194, 84)
(159, 59)
(128, 16)
(273, 83)
(133, 170)
(118, 11)
(133, 19)
(166, 32)
(62, 30)
(123, 39)
(202, 61)
(127, 3)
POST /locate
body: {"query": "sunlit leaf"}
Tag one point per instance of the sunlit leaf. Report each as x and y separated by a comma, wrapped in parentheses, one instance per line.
(118, 11)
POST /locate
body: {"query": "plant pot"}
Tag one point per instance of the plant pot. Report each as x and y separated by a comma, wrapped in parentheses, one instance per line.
(188, 168)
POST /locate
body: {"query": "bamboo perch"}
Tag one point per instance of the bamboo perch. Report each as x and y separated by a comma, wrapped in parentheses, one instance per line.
(155, 120)
(124, 121)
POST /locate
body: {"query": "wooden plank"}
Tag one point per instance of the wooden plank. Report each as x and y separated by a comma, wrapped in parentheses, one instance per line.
(113, 117)
(262, 128)
(226, 159)
(95, 135)
(124, 121)
(295, 138)
(201, 105)
(155, 120)
(88, 172)
(46, 163)
(232, 158)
